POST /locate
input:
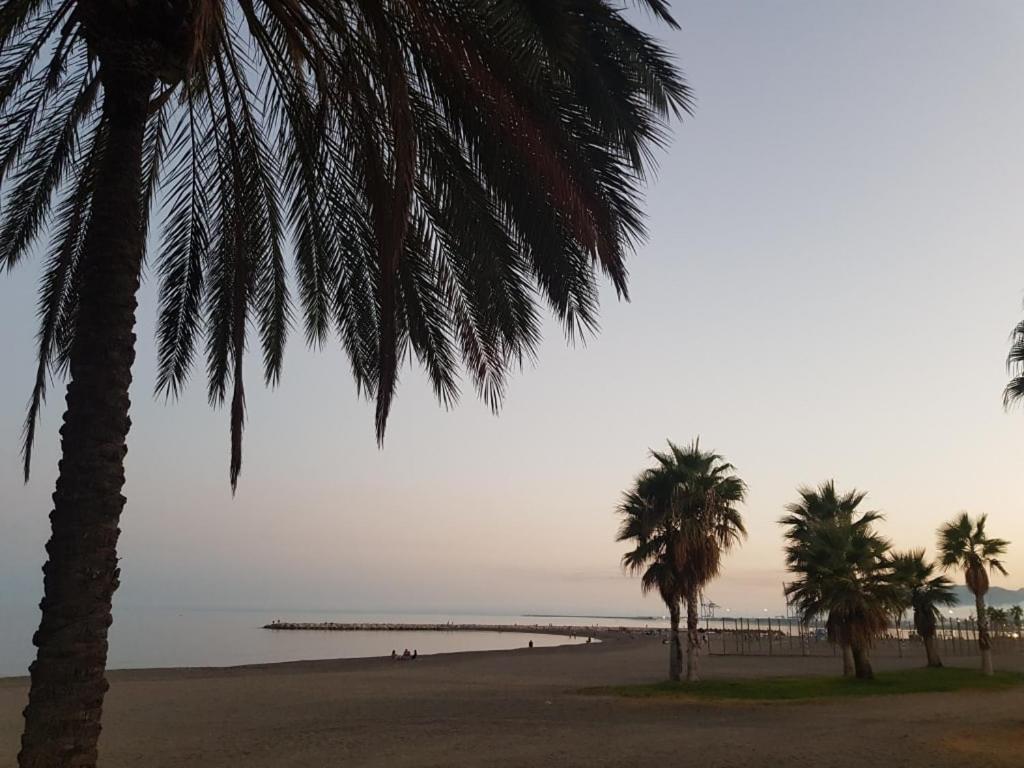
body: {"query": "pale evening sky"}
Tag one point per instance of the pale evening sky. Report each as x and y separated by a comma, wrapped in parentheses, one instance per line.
(833, 270)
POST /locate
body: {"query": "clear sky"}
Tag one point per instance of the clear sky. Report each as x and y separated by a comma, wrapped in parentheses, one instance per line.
(834, 268)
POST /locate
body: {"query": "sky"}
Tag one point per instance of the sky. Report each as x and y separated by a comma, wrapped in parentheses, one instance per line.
(833, 269)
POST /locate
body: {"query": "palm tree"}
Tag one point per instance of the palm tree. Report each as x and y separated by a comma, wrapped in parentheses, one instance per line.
(692, 497)
(998, 618)
(1017, 617)
(654, 539)
(436, 167)
(815, 506)
(963, 544)
(925, 593)
(841, 571)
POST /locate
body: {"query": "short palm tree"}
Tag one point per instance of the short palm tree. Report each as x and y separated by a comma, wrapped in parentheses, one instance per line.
(693, 496)
(840, 571)
(964, 545)
(433, 167)
(925, 593)
(815, 506)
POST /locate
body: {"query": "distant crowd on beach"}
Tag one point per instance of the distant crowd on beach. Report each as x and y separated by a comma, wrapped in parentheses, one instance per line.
(406, 656)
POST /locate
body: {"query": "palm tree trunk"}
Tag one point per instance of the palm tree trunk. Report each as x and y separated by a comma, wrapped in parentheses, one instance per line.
(62, 719)
(931, 651)
(692, 638)
(984, 641)
(848, 665)
(675, 650)
(862, 662)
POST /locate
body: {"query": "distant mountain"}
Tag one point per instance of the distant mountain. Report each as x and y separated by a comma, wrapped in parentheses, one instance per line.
(995, 596)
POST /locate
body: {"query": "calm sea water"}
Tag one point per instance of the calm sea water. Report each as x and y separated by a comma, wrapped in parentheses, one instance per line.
(162, 637)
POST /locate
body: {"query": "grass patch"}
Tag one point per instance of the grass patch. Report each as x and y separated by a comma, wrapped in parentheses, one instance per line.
(799, 688)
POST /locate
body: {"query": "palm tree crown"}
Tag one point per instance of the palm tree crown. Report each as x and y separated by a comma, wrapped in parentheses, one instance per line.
(684, 510)
(925, 592)
(434, 166)
(964, 544)
(842, 575)
(818, 505)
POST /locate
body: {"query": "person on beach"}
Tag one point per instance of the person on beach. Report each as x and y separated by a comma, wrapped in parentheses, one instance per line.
(415, 653)
(406, 654)
(394, 654)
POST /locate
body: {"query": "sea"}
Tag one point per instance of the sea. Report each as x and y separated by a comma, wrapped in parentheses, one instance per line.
(158, 637)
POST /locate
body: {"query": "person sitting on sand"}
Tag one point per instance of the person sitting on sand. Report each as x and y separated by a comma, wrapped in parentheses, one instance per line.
(406, 654)
(415, 653)
(394, 654)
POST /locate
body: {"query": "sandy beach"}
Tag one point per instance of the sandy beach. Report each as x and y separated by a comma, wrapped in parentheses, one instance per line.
(523, 708)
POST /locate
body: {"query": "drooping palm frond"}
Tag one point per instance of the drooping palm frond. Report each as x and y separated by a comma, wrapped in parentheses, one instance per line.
(1013, 393)
(437, 168)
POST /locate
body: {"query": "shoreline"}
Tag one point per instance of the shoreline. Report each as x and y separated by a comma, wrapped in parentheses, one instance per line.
(351, 663)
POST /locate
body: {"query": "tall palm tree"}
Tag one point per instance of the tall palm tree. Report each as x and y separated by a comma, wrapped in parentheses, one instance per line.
(963, 544)
(693, 496)
(925, 593)
(841, 572)
(433, 166)
(654, 540)
(815, 506)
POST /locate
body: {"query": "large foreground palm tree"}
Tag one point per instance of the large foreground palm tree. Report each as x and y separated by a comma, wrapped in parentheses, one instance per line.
(963, 544)
(433, 167)
(691, 498)
(925, 593)
(841, 571)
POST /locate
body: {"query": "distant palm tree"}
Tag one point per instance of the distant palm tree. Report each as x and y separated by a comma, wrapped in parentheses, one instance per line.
(693, 496)
(998, 619)
(925, 593)
(436, 168)
(963, 544)
(655, 542)
(1017, 617)
(841, 571)
(815, 506)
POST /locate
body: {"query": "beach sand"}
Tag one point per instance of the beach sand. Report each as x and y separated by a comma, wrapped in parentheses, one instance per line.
(522, 708)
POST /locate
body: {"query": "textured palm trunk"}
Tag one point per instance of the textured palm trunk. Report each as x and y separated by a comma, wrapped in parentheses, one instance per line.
(931, 651)
(984, 641)
(62, 719)
(692, 638)
(862, 662)
(675, 649)
(848, 666)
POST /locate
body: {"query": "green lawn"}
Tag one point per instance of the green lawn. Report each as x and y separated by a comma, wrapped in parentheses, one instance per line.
(797, 688)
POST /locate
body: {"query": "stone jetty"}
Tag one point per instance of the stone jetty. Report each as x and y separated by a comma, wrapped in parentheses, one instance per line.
(596, 632)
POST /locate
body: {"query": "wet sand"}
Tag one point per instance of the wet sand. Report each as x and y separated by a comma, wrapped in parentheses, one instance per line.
(523, 708)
